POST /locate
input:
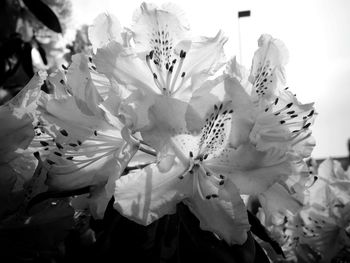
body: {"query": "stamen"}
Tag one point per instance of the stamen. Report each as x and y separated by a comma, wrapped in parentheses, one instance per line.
(155, 77)
(178, 69)
(50, 162)
(59, 146)
(43, 143)
(64, 132)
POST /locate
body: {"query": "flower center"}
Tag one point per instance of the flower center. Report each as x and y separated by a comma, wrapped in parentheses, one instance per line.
(212, 141)
(164, 64)
(298, 117)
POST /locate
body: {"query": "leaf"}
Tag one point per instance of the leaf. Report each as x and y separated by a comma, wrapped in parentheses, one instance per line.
(44, 14)
(197, 245)
(134, 242)
(56, 194)
(40, 235)
(260, 231)
(42, 53)
(27, 62)
(10, 48)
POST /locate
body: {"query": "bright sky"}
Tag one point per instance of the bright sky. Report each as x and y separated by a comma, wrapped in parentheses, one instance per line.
(316, 33)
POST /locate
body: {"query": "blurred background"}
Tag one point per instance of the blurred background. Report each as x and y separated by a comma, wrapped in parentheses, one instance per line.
(316, 33)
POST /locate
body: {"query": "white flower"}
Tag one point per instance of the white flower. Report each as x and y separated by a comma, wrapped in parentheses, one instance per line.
(84, 143)
(162, 61)
(326, 218)
(202, 169)
(281, 124)
(17, 163)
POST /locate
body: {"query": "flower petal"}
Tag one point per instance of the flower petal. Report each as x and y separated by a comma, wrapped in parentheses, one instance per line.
(225, 215)
(206, 55)
(16, 132)
(84, 146)
(123, 65)
(284, 125)
(104, 29)
(167, 118)
(251, 171)
(276, 200)
(79, 80)
(147, 195)
(96, 202)
(267, 71)
(243, 116)
(152, 26)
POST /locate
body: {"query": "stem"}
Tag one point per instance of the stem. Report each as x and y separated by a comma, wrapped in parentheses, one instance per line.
(148, 151)
(136, 167)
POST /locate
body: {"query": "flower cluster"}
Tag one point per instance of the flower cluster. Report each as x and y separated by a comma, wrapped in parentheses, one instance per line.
(156, 116)
(319, 232)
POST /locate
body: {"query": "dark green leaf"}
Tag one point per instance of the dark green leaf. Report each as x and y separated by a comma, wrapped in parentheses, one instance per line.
(197, 245)
(134, 242)
(44, 14)
(11, 46)
(56, 194)
(260, 231)
(27, 62)
(42, 53)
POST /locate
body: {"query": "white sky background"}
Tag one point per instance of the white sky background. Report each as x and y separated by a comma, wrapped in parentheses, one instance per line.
(316, 32)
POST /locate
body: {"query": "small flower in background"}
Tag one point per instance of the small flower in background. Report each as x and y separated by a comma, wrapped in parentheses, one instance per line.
(326, 216)
(319, 231)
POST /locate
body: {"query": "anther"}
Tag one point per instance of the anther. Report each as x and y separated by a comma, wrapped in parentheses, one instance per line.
(59, 146)
(43, 143)
(50, 162)
(182, 54)
(64, 132)
(306, 125)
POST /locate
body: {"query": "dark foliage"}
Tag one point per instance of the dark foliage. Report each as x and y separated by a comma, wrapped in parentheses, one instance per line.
(44, 14)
